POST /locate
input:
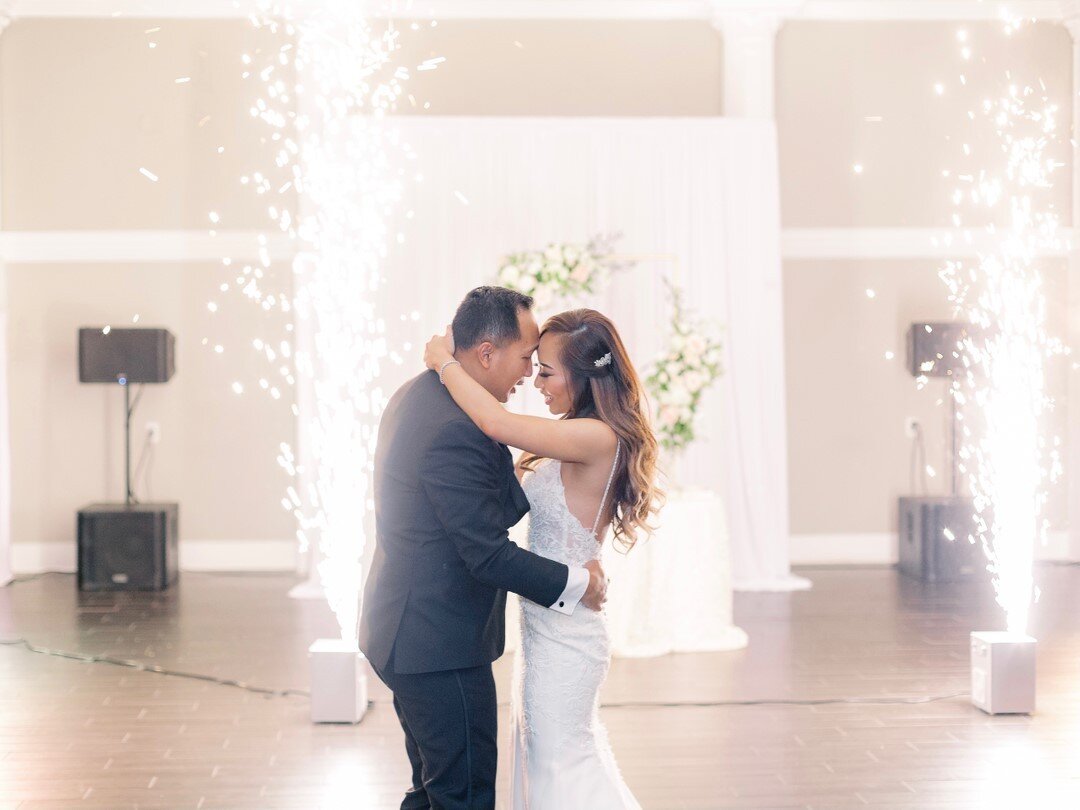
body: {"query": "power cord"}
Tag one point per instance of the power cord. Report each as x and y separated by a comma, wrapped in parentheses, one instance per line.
(261, 690)
(141, 666)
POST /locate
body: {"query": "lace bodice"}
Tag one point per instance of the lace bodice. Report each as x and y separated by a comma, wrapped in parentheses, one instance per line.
(553, 531)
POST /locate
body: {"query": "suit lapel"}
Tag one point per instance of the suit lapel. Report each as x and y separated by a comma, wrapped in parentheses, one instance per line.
(517, 502)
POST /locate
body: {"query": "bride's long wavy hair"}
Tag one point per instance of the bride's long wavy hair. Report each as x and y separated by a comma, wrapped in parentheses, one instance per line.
(613, 394)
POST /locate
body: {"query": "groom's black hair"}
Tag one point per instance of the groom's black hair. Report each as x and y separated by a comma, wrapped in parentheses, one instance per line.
(489, 313)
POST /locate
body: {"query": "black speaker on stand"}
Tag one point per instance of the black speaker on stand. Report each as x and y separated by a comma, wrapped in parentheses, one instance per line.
(936, 532)
(129, 545)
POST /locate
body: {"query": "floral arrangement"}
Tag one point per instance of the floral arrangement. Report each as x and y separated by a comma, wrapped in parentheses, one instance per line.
(691, 364)
(561, 271)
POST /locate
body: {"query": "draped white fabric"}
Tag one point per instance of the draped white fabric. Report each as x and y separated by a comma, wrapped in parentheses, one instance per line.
(696, 199)
(5, 451)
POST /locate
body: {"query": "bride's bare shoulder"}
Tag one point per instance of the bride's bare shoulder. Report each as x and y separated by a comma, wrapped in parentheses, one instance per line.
(602, 437)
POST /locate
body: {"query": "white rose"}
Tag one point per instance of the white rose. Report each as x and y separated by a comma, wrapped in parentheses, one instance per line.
(581, 273)
(559, 271)
(570, 254)
(527, 284)
(696, 345)
(534, 266)
(553, 254)
(668, 417)
(543, 297)
(677, 343)
(509, 275)
(694, 381)
(677, 393)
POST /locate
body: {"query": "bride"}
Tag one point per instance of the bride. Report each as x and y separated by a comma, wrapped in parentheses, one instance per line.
(591, 470)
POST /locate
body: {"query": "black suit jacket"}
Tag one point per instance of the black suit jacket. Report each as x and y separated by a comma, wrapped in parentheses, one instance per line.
(445, 495)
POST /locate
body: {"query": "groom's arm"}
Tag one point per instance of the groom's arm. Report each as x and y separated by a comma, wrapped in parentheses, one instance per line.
(461, 478)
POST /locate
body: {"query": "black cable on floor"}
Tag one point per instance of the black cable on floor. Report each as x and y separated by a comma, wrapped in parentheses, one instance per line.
(141, 666)
(32, 577)
(144, 667)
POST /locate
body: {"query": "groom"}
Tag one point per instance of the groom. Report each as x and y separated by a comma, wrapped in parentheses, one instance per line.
(435, 599)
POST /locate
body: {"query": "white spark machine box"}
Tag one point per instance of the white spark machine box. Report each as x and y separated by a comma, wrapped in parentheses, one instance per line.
(1003, 672)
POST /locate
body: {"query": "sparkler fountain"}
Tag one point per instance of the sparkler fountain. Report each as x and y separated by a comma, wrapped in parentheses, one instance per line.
(1004, 453)
(335, 151)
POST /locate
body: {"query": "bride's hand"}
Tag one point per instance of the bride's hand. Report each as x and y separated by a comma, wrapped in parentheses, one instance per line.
(439, 350)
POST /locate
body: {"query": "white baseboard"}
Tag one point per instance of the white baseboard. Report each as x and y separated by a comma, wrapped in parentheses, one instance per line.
(280, 555)
(881, 549)
(195, 555)
(841, 549)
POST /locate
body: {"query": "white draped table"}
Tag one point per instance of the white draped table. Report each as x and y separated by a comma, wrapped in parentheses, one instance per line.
(671, 593)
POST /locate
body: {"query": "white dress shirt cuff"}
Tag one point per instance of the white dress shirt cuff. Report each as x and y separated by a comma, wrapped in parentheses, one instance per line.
(576, 584)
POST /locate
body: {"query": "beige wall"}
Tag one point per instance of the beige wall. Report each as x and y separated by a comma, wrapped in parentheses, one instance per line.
(217, 451)
(86, 103)
(831, 77)
(586, 67)
(847, 403)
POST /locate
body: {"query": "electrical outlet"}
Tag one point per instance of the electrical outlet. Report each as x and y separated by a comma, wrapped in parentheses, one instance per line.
(153, 432)
(911, 427)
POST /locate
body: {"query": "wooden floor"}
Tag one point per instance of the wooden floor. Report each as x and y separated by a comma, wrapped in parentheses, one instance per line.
(81, 735)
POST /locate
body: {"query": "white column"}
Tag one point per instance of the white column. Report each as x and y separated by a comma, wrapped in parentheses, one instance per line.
(5, 424)
(1072, 439)
(749, 31)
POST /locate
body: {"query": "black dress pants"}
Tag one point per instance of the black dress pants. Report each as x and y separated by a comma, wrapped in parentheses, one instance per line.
(450, 722)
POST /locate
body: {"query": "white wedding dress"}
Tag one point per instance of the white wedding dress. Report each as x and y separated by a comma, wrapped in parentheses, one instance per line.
(561, 758)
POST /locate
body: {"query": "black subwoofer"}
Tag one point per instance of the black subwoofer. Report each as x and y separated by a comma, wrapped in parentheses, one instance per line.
(128, 547)
(137, 355)
(926, 550)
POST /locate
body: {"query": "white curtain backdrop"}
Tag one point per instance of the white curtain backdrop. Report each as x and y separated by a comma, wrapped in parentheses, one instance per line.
(696, 199)
(5, 445)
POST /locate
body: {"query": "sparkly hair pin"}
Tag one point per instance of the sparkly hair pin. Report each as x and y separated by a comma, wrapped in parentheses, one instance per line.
(603, 361)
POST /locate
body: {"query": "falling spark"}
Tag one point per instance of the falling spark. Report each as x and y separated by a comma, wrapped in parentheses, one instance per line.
(1001, 391)
(431, 64)
(183, 80)
(870, 293)
(149, 175)
(462, 197)
(135, 319)
(939, 88)
(889, 355)
(106, 330)
(237, 388)
(335, 156)
(857, 168)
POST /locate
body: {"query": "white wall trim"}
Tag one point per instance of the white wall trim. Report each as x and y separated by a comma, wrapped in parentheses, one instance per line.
(896, 243)
(195, 555)
(568, 9)
(165, 246)
(876, 548)
(880, 548)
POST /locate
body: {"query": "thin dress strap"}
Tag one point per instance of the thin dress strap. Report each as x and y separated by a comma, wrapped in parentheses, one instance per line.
(611, 477)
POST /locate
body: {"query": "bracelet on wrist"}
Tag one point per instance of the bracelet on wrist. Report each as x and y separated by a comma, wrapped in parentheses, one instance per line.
(446, 365)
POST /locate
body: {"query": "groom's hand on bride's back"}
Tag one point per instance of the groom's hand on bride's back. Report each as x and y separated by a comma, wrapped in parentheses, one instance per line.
(596, 593)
